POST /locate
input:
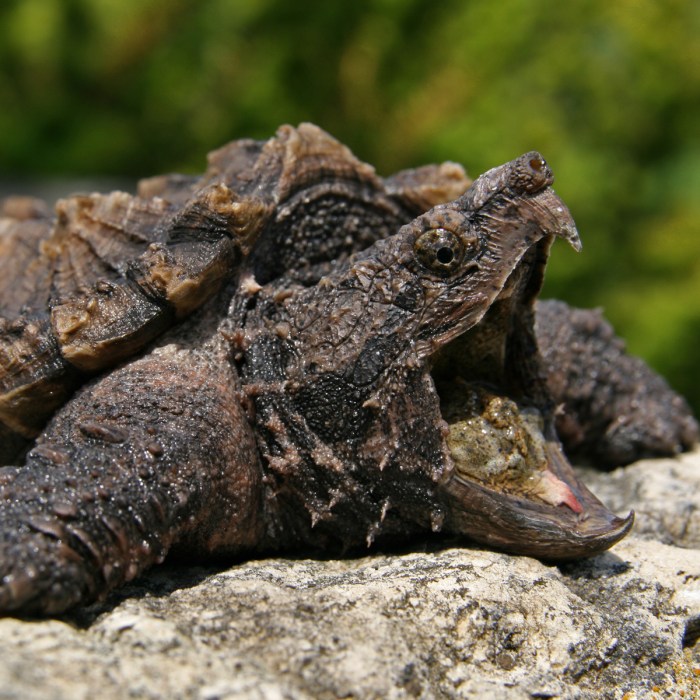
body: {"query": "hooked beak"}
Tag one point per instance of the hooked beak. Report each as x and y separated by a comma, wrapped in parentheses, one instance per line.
(561, 223)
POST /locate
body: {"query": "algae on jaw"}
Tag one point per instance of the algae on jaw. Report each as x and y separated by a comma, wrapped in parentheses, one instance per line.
(500, 444)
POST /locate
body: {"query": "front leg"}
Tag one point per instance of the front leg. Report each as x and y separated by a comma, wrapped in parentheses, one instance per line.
(155, 456)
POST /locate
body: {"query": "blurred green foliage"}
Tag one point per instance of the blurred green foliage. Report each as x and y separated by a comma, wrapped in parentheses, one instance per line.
(608, 91)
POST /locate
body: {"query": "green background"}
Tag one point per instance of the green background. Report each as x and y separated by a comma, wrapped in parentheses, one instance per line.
(608, 91)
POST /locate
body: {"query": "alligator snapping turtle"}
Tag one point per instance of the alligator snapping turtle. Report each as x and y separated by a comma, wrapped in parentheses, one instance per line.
(289, 351)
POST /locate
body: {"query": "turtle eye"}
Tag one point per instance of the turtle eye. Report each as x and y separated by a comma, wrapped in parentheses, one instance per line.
(440, 250)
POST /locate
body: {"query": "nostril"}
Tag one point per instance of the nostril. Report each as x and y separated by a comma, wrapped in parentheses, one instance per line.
(537, 164)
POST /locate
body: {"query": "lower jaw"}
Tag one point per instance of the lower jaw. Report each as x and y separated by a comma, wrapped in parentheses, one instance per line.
(513, 488)
(524, 527)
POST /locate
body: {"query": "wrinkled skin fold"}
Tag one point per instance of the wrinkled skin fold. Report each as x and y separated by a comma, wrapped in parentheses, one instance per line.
(309, 357)
(370, 336)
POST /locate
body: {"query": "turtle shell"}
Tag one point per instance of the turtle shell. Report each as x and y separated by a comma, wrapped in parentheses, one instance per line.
(92, 283)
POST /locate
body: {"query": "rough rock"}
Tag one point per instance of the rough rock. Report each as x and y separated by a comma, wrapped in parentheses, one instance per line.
(664, 494)
(440, 621)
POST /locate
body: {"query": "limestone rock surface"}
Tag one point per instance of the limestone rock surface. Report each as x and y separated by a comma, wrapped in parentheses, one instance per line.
(440, 621)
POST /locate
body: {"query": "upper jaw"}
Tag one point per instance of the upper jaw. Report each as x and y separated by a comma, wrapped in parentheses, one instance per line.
(558, 220)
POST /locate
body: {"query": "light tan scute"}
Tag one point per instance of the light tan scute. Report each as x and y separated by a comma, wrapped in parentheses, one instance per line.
(96, 235)
(23, 208)
(106, 325)
(97, 314)
(34, 377)
(204, 245)
(24, 275)
(310, 153)
(425, 187)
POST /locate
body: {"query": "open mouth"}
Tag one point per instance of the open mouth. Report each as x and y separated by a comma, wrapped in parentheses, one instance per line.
(512, 486)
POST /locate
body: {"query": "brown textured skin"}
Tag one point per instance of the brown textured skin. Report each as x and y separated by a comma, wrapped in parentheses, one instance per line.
(134, 466)
(305, 414)
(108, 274)
(613, 409)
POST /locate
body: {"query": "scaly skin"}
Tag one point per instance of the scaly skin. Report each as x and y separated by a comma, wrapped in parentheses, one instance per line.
(346, 411)
(108, 274)
(309, 413)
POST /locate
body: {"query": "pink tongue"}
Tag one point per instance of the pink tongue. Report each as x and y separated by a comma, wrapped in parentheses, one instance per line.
(553, 490)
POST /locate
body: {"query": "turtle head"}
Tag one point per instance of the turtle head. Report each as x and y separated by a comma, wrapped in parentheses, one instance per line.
(416, 362)
(510, 485)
